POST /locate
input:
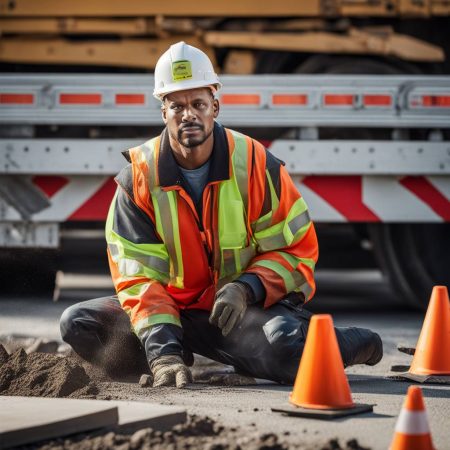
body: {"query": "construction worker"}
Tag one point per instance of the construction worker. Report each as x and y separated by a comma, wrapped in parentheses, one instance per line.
(211, 249)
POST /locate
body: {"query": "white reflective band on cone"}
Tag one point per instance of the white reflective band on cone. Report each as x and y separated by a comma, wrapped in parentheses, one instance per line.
(412, 422)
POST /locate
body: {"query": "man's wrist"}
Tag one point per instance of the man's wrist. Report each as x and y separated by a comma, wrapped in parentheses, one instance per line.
(166, 358)
(255, 283)
(249, 294)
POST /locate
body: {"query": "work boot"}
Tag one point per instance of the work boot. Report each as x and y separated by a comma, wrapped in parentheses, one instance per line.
(359, 346)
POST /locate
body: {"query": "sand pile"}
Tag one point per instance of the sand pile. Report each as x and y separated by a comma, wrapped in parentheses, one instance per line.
(43, 375)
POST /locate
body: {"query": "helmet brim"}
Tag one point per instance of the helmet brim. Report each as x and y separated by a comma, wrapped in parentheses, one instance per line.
(159, 94)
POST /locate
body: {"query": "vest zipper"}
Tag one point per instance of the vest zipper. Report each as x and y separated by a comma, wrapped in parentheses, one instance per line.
(207, 229)
(211, 224)
(200, 225)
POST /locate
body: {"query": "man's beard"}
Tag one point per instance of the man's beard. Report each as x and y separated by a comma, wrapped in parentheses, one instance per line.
(192, 141)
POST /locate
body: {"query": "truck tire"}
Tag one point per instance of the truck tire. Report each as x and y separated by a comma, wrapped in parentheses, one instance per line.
(414, 257)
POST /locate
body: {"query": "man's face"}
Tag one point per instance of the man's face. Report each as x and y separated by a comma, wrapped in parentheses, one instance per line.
(189, 115)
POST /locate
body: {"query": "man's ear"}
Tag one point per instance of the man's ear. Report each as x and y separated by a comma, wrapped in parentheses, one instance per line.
(216, 108)
(164, 113)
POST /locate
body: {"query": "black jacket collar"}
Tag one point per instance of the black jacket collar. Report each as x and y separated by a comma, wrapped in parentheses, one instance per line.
(169, 172)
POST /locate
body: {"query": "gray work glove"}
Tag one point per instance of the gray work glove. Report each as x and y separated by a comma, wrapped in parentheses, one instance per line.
(170, 370)
(229, 307)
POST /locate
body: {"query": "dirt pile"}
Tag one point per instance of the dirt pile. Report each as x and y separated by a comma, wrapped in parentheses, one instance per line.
(13, 342)
(195, 433)
(43, 375)
(3, 355)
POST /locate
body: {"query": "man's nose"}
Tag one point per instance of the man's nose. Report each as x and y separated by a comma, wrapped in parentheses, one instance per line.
(188, 114)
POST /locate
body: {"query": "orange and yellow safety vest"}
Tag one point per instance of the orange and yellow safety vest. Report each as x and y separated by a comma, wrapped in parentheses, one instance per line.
(253, 220)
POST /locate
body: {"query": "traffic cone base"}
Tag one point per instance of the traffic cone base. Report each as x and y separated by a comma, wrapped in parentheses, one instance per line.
(432, 355)
(425, 372)
(321, 382)
(317, 406)
(323, 414)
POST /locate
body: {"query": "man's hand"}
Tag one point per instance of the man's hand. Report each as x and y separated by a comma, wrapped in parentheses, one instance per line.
(229, 307)
(170, 370)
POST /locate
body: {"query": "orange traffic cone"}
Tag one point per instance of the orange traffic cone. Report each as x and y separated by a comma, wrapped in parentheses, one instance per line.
(412, 431)
(432, 355)
(321, 382)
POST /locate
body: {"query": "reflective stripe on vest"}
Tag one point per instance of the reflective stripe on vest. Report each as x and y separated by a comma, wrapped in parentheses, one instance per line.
(135, 260)
(159, 263)
(233, 199)
(284, 233)
(262, 223)
(143, 325)
(166, 216)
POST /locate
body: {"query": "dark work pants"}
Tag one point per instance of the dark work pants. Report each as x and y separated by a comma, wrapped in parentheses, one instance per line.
(266, 343)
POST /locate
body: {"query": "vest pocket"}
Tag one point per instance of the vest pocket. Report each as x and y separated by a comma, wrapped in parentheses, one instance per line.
(232, 230)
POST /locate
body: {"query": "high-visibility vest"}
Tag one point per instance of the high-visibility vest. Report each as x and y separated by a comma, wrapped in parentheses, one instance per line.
(237, 249)
(279, 245)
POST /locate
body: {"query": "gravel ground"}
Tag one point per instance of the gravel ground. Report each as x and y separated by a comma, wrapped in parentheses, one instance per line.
(243, 413)
(62, 374)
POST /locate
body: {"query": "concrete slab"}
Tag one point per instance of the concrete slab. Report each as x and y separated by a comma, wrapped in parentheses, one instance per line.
(29, 419)
(143, 414)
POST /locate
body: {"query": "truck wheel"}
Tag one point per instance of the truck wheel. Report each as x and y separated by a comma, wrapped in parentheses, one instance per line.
(414, 257)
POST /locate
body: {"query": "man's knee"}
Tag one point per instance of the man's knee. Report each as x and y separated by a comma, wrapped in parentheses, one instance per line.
(67, 321)
(286, 335)
(92, 317)
(72, 320)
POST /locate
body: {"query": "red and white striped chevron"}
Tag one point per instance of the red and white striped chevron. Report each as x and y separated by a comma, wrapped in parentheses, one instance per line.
(376, 198)
(330, 198)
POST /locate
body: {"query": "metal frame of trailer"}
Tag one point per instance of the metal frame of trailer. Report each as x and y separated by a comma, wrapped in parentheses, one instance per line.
(45, 182)
(247, 101)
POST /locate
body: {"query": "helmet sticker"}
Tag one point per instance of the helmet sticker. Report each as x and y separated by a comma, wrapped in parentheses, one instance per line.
(181, 70)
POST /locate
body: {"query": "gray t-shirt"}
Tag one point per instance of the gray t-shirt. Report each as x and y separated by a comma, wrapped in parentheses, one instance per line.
(196, 180)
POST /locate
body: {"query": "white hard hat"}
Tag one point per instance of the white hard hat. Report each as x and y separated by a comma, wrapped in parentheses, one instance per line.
(184, 67)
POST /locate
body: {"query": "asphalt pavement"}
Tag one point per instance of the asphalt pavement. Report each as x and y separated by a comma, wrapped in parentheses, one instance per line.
(359, 298)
